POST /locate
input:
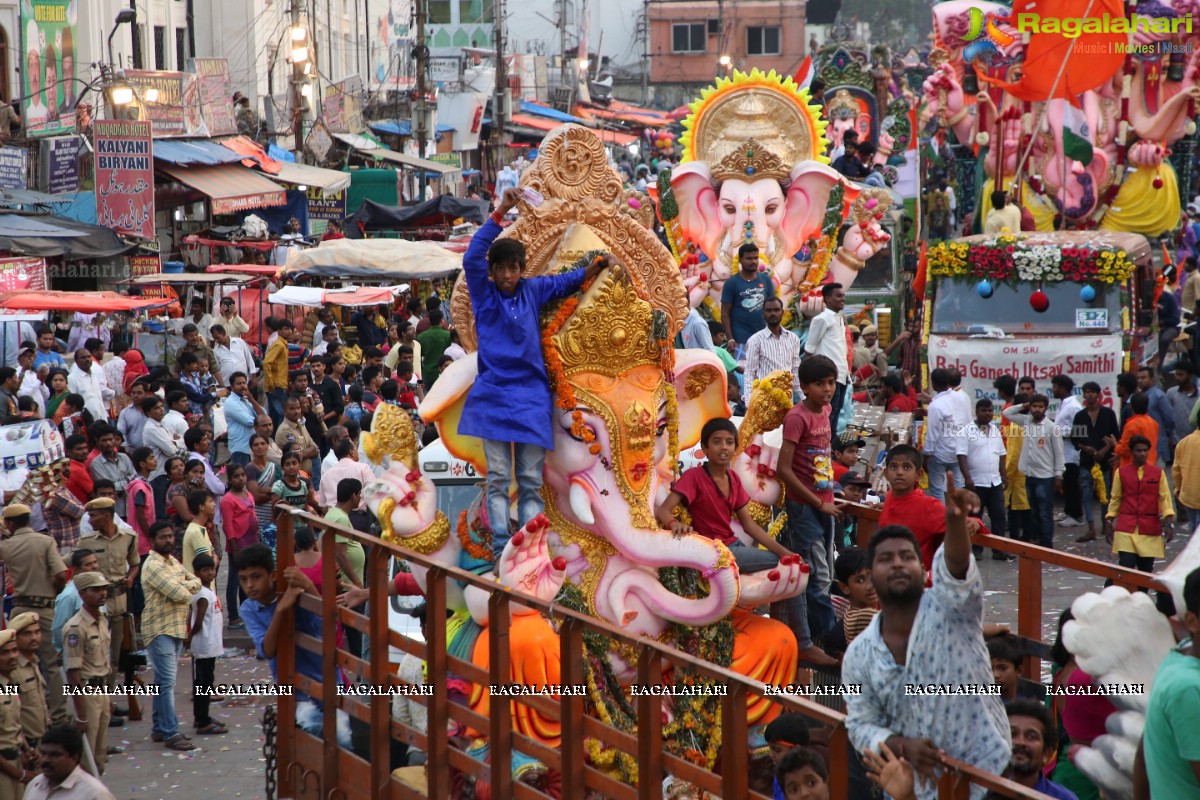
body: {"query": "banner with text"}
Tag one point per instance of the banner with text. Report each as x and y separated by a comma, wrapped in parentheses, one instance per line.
(216, 95)
(342, 112)
(981, 361)
(125, 177)
(13, 167)
(159, 98)
(22, 273)
(60, 164)
(47, 66)
(328, 208)
(146, 264)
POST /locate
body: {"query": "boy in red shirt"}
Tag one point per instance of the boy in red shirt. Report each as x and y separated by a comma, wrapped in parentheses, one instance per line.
(714, 495)
(845, 454)
(806, 469)
(907, 505)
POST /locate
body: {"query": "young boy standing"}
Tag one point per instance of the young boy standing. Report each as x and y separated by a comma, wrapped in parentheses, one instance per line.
(806, 468)
(196, 540)
(205, 640)
(1141, 505)
(714, 495)
(907, 505)
(512, 392)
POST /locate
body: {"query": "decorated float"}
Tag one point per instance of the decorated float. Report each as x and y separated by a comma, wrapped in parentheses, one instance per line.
(625, 403)
(1090, 130)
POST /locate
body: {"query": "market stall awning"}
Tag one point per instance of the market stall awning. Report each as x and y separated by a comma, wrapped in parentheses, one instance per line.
(83, 302)
(329, 181)
(249, 269)
(28, 197)
(382, 259)
(197, 152)
(59, 236)
(231, 187)
(192, 277)
(369, 147)
(402, 127)
(539, 110)
(536, 123)
(441, 210)
(624, 115)
(616, 137)
(315, 296)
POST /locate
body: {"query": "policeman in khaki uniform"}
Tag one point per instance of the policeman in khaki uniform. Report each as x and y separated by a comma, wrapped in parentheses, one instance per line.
(86, 647)
(13, 775)
(119, 562)
(35, 715)
(38, 574)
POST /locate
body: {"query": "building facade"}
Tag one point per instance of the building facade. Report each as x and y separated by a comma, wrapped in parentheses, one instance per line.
(694, 41)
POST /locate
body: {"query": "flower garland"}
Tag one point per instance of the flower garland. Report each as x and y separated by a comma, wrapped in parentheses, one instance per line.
(1010, 258)
(481, 551)
(559, 384)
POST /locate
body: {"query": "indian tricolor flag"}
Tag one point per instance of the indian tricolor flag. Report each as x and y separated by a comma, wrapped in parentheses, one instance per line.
(1077, 139)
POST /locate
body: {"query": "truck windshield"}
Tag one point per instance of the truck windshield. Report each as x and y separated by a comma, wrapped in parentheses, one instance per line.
(958, 308)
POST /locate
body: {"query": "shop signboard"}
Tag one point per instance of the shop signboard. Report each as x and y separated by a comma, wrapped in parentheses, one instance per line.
(59, 166)
(22, 273)
(332, 207)
(47, 66)
(216, 95)
(158, 95)
(13, 167)
(125, 177)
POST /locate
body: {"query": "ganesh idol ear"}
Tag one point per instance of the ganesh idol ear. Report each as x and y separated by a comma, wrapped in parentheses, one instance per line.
(700, 386)
(807, 198)
(443, 406)
(699, 211)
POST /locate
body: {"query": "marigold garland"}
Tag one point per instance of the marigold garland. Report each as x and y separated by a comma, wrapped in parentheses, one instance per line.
(482, 552)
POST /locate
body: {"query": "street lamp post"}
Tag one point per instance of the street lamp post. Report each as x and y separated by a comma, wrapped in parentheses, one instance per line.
(125, 15)
(299, 59)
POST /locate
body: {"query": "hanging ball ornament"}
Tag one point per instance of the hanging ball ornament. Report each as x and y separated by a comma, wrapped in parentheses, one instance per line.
(985, 289)
(1039, 301)
(1087, 294)
(1157, 183)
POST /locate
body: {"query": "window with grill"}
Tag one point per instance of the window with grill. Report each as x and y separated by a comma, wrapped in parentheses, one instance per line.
(475, 11)
(160, 47)
(689, 37)
(439, 12)
(181, 53)
(762, 40)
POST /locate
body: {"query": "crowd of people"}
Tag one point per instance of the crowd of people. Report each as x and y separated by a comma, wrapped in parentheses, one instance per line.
(175, 475)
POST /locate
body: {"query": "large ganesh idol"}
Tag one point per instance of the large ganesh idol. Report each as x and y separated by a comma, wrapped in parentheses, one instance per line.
(754, 170)
(1135, 108)
(625, 402)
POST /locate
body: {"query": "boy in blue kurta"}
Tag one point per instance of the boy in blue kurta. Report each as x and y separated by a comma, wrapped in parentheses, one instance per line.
(511, 396)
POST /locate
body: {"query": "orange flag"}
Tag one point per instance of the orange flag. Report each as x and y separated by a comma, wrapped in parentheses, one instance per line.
(922, 273)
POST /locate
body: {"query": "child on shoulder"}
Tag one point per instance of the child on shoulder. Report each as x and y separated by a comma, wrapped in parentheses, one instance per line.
(512, 392)
(713, 495)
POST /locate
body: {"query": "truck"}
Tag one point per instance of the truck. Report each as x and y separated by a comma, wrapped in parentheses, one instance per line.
(1040, 304)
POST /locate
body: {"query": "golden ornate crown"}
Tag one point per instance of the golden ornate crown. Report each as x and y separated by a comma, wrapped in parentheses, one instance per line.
(750, 162)
(610, 331)
(842, 106)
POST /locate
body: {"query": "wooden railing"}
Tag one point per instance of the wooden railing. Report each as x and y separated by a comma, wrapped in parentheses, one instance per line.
(306, 762)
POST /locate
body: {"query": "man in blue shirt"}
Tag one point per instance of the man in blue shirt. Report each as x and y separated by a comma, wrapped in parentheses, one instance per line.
(265, 617)
(241, 411)
(46, 354)
(743, 297)
(1034, 743)
(1160, 412)
(512, 392)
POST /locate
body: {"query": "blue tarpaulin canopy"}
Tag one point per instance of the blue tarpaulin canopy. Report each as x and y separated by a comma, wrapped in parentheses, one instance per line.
(16, 226)
(56, 236)
(552, 113)
(195, 151)
(402, 127)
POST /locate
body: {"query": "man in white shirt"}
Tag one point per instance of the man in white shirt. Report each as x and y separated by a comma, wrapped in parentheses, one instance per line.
(108, 392)
(230, 320)
(1041, 463)
(157, 436)
(945, 436)
(84, 327)
(33, 381)
(114, 368)
(985, 473)
(324, 317)
(773, 348)
(233, 354)
(175, 419)
(965, 403)
(827, 337)
(196, 315)
(1063, 389)
(85, 382)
